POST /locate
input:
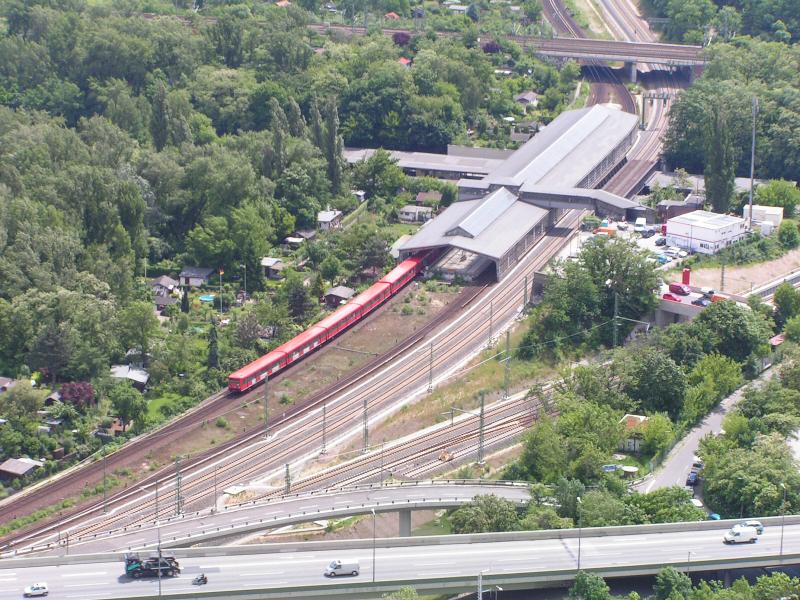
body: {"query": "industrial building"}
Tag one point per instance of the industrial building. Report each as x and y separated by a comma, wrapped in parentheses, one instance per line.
(460, 162)
(496, 229)
(500, 216)
(705, 232)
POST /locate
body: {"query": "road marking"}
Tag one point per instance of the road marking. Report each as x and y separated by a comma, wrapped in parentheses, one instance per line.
(85, 584)
(440, 564)
(85, 574)
(262, 573)
(239, 519)
(136, 541)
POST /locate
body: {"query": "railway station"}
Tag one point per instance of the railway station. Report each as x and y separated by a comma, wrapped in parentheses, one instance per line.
(500, 216)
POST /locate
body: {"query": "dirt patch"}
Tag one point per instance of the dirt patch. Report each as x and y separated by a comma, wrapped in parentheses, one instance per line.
(742, 279)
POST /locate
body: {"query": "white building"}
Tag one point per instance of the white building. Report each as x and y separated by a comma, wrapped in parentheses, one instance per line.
(705, 232)
(770, 214)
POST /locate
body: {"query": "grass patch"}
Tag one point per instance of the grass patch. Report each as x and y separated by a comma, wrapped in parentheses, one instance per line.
(439, 526)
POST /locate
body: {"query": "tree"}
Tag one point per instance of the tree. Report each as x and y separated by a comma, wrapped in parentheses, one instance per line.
(779, 192)
(330, 268)
(473, 12)
(404, 593)
(185, 301)
(589, 586)
(567, 493)
(656, 382)
(297, 124)
(378, 175)
(159, 122)
(52, 350)
(657, 433)
(788, 235)
(333, 147)
(127, 402)
(600, 508)
(317, 128)
(401, 38)
(297, 297)
(544, 454)
(734, 331)
(719, 161)
(137, 324)
(664, 505)
(79, 394)
(213, 347)
(671, 583)
(485, 514)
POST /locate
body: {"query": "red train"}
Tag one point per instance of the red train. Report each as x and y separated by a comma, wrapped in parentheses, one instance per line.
(317, 335)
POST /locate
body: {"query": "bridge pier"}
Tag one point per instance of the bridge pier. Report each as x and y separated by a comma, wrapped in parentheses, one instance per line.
(631, 66)
(690, 70)
(405, 522)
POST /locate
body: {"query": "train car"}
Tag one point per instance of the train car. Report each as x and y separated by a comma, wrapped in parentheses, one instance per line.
(372, 297)
(306, 342)
(257, 371)
(341, 319)
(303, 343)
(403, 273)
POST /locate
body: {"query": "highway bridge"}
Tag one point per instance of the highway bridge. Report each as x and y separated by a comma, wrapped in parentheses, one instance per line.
(293, 509)
(433, 565)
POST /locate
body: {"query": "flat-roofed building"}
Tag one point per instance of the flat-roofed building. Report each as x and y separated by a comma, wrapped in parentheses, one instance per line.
(705, 232)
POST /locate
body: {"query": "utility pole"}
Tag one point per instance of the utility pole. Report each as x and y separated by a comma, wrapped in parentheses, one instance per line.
(430, 371)
(156, 519)
(244, 269)
(507, 372)
(491, 320)
(221, 273)
(214, 503)
(480, 433)
(366, 428)
(480, 586)
(288, 480)
(525, 293)
(178, 477)
(266, 407)
(753, 159)
(105, 487)
(616, 314)
(324, 427)
(383, 445)
(722, 276)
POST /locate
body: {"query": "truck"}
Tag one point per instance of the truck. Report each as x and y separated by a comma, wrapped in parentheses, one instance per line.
(136, 566)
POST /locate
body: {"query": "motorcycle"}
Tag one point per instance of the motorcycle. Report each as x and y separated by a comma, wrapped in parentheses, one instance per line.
(200, 580)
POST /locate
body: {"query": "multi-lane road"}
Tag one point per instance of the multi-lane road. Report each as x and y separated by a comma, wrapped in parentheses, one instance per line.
(402, 563)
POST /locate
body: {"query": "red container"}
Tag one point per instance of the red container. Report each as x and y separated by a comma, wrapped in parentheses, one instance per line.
(687, 274)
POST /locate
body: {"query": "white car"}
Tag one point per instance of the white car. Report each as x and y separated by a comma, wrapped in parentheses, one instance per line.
(37, 589)
(696, 502)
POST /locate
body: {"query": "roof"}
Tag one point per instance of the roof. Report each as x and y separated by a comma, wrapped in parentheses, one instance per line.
(452, 163)
(392, 15)
(128, 372)
(412, 208)
(770, 210)
(404, 61)
(529, 96)
(602, 195)
(196, 272)
(164, 300)
(633, 421)
(306, 234)
(706, 220)
(697, 182)
(777, 340)
(164, 281)
(269, 261)
(341, 291)
(326, 216)
(565, 152)
(490, 226)
(19, 466)
(429, 196)
(5, 381)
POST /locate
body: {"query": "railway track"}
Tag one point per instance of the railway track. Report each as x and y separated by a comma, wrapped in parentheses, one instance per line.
(241, 464)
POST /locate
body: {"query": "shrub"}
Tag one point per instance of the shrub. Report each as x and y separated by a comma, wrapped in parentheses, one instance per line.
(222, 422)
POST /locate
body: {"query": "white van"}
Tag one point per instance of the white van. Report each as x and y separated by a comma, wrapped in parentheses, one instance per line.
(640, 224)
(741, 535)
(342, 567)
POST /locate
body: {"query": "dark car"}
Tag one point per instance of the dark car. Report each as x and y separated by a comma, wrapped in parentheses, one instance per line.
(662, 241)
(691, 479)
(701, 302)
(648, 233)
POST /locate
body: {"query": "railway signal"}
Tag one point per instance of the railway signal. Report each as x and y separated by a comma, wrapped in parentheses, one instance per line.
(481, 423)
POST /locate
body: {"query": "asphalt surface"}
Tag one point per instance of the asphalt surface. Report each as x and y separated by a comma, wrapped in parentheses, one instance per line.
(253, 571)
(676, 467)
(302, 509)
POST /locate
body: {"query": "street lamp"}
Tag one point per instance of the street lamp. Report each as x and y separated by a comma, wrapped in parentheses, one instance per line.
(373, 544)
(497, 590)
(688, 561)
(783, 521)
(580, 528)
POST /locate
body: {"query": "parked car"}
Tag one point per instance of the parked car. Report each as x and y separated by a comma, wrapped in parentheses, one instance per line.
(701, 302)
(707, 292)
(662, 259)
(662, 241)
(741, 535)
(679, 288)
(672, 251)
(691, 479)
(648, 233)
(754, 524)
(671, 298)
(37, 589)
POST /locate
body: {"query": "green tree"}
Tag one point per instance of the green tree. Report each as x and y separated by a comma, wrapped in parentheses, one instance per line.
(589, 586)
(719, 161)
(213, 347)
(734, 331)
(485, 514)
(378, 175)
(544, 453)
(137, 324)
(656, 382)
(333, 147)
(159, 123)
(788, 235)
(185, 301)
(567, 492)
(657, 433)
(671, 583)
(52, 350)
(127, 402)
(779, 192)
(664, 505)
(404, 593)
(600, 508)
(298, 298)
(330, 268)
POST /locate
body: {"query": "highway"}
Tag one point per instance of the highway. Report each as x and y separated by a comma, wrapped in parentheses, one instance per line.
(499, 561)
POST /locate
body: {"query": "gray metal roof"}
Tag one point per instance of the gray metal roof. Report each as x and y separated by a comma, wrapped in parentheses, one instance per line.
(556, 192)
(565, 151)
(490, 226)
(429, 161)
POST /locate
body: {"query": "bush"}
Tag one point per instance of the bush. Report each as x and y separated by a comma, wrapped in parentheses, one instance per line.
(222, 422)
(407, 310)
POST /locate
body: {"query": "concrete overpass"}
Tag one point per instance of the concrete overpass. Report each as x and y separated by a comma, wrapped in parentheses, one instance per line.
(293, 509)
(433, 565)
